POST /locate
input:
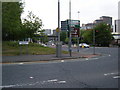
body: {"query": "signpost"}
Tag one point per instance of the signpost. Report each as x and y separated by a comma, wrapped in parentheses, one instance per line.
(75, 30)
(23, 43)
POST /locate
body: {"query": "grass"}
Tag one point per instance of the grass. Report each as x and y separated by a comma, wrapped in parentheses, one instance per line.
(12, 48)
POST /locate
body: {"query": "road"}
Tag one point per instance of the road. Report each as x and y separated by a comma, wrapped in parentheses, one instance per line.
(98, 72)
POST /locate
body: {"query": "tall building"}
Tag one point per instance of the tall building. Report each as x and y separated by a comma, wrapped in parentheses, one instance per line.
(117, 27)
(47, 32)
(87, 26)
(65, 24)
(116, 33)
(105, 19)
(98, 21)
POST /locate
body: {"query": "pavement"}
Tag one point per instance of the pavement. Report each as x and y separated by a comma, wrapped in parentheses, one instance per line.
(33, 58)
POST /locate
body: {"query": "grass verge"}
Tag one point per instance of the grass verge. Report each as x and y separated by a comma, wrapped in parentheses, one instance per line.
(12, 48)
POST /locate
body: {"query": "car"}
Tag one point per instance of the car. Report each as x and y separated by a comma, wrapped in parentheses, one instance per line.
(84, 45)
(44, 45)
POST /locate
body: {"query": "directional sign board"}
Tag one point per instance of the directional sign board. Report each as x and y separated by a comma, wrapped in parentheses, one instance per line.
(75, 27)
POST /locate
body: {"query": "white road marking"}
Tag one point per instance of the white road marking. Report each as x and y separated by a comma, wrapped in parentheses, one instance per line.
(7, 86)
(54, 80)
(21, 63)
(62, 82)
(62, 61)
(31, 77)
(116, 77)
(86, 59)
(106, 74)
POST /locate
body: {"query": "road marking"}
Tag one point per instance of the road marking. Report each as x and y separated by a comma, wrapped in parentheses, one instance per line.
(62, 82)
(86, 59)
(53, 80)
(116, 77)
(107, 74)
(31, 77)
(7, 86)
(62, 61)
(21, 63)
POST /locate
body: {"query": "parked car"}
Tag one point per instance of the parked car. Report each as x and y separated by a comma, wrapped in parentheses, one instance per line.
(84, 45)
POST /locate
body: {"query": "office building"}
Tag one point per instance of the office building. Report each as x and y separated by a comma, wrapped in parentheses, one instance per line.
(65, 24)
(104, 19)
(116, 32)
(87, 26)
(47, 32)
(107, 19)
(117, 27)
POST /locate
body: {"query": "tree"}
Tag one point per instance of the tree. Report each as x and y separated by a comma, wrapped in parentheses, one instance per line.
(31, 25)
(103, 34)
(44, 37)
(11, 20)
(87, 36)
(63, 36)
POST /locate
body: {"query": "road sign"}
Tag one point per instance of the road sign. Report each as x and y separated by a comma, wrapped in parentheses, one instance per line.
(75, 32)
(57, 30)
(23, 42)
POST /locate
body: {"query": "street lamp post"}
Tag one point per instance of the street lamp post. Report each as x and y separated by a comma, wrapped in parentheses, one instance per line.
(93, 42)
(70, 49)
(58, 44)
(58, 20)
(78, 35)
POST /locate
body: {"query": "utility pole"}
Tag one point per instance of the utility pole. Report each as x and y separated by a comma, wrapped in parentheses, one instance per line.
(78, 36)
(58, 43)
(70, 49)
(58, 20)
(93, 42)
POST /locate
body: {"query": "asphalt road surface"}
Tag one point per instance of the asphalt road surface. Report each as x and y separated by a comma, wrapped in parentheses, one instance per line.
(97, 72)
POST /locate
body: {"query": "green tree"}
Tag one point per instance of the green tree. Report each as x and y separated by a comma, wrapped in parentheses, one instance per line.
(103, 34)
(44, 38)
(31, 25)
(11, 20)
(63, 36)
(87, 36)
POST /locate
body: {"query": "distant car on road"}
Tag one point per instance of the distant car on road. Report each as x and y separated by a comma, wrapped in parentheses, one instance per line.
(84, 45)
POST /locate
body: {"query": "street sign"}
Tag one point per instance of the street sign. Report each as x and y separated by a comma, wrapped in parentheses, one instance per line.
(23, 42)
(57, 30)
(75, 32)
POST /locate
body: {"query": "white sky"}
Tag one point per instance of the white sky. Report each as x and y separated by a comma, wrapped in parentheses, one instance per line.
(90, 10)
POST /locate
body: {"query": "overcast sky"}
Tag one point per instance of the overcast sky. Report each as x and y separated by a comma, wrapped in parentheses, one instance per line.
(90, 10)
